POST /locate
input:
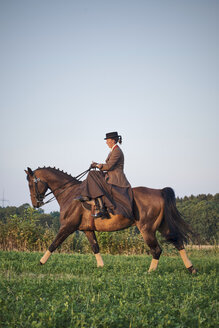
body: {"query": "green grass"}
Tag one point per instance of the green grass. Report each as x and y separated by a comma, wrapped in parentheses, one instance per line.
(70, 291)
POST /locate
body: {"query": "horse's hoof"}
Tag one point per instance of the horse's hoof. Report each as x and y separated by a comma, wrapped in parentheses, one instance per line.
(192, 270)
(40, 263)
(151, 271)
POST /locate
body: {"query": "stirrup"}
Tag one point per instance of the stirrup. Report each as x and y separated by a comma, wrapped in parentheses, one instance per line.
(100, 209)
(100, 214)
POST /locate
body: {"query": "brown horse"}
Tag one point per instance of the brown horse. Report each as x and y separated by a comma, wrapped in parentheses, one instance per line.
(153, 209)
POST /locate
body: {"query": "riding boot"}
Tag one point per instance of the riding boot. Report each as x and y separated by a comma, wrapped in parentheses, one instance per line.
(100, 208)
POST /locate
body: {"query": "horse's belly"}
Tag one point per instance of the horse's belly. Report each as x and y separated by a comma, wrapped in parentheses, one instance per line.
(115, 223)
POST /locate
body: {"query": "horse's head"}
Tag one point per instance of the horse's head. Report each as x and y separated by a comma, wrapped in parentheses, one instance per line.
(37, 187)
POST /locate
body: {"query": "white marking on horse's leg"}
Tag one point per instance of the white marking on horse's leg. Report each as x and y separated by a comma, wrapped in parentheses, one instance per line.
(153, 266)
(45, 257)
(185, 258)
(99, 260)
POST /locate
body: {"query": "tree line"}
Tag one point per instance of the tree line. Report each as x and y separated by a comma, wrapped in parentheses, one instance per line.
(202, 213)
(24, 228)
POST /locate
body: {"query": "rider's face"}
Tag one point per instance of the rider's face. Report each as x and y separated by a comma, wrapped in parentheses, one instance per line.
(110, 142)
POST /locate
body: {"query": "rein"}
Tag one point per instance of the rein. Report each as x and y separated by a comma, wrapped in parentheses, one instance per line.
(40, 197)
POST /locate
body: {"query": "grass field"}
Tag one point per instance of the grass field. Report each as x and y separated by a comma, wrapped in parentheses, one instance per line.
(70, 291)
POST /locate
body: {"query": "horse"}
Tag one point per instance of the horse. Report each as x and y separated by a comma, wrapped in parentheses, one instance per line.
(153, 209)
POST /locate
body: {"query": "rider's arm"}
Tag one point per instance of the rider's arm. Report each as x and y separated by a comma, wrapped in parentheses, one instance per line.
(113, 160)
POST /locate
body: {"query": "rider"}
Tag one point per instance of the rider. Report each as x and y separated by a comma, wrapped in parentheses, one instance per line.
(109, 186)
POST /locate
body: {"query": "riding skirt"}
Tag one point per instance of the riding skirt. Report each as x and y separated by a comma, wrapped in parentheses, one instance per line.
(118, 200)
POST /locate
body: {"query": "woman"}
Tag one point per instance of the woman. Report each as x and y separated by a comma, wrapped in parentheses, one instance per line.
(109, 186)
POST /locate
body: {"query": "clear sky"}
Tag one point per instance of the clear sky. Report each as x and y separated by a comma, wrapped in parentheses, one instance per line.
(70, 71)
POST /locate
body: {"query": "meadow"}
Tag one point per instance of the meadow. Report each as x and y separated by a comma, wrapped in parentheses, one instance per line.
(70, 291)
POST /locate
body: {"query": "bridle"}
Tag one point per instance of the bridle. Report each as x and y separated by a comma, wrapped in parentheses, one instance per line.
(41, 196)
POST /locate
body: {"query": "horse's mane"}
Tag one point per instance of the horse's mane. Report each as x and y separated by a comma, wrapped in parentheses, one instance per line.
(61, 172)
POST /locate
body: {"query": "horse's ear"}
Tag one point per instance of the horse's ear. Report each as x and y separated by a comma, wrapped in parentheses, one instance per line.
(29, 171)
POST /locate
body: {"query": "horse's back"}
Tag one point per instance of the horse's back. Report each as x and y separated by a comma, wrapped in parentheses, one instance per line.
(144, 193)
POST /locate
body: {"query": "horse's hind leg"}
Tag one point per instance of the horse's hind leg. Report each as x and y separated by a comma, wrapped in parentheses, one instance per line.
(188, 264)
(63, 233)
(180, 247)
(155, 249)
(95, 247)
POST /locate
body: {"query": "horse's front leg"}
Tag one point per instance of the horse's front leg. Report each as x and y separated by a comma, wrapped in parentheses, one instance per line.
(95, 247)
(63, 233)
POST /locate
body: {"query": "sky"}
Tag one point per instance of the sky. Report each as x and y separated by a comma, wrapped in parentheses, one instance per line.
(72, 71)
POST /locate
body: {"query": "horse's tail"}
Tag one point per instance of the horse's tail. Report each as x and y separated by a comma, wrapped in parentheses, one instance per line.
(179, 231)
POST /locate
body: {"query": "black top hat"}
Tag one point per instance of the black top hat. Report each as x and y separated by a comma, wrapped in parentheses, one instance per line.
(112, 135)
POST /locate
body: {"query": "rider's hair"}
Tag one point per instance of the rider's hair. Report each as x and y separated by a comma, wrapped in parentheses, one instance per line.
(118, 139)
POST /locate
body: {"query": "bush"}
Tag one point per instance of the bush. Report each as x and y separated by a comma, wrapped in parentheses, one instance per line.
(27, 229)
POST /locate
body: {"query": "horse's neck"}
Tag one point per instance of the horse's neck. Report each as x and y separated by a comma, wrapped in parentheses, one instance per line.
(55, 180)
(50, 178)
(58, 183)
